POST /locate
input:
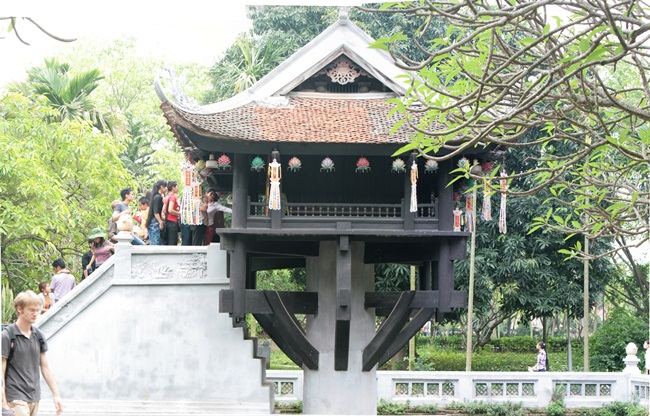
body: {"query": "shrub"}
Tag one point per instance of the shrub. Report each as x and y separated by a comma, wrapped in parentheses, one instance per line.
(607, 345)
(491, 409)
(555, 409)
(623, 409)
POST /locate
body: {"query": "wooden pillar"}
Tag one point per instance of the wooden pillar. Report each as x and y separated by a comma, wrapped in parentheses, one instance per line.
(239, 191)
(445, 212)
(238, 277)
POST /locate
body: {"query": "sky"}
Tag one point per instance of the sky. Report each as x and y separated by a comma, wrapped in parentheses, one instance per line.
(199, 31)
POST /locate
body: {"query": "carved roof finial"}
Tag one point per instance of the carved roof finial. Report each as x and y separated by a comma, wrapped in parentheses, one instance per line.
(343, 12)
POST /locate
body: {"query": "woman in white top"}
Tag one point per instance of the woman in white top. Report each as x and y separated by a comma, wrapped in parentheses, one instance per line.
(45, 295)
(211, 208)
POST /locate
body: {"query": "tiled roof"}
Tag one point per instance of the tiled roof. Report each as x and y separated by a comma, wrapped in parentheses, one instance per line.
(302, 120)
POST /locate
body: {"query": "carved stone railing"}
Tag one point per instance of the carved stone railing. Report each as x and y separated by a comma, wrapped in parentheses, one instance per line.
(529, 389)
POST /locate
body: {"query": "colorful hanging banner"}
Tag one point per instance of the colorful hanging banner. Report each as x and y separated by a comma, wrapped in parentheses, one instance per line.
(414, 187)
(275, 173)
(503, 228)
(486, 211)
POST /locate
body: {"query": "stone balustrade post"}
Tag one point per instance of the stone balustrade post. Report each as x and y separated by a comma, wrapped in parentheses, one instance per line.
(631, 361)
(123, 255)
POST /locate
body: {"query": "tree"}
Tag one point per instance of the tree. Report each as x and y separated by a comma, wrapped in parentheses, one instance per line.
(150, 150)
(55, 188)
(576, 70)
(68, 94)
(517, 274)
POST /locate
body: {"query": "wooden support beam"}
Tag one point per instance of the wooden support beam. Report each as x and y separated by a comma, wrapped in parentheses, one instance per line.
(388, 330)
(290, 332)
(305, 303)
(414, 325)
(384, 302)
(288, 248)
(277, 263)
(403, 252)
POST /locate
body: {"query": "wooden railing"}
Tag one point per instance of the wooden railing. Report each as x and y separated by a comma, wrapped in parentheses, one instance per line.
(260, 209)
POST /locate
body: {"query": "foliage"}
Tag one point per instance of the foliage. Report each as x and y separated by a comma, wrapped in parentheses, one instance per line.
(578, 72)
(516, 275)
(622, 409)
(293, 280)
(279, 361)
(55, 187)
(150, 150)
(629, 286)
(391, 277)
(68, 94)
(387, 408)
(555, 409)
(492, 409)
(607, 345)
(292, 407)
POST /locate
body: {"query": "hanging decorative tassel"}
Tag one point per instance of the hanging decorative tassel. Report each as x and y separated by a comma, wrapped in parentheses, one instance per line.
(191, 199)
(457, 214)
(469, 214)
(502, 211)
(414, 187)
(486, 212)
(274, 176)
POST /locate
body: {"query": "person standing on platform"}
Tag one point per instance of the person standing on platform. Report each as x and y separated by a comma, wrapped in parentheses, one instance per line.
(155, 221)
(24, 350)
(214, 211)
(172, 213)
(123, 208)
(63, 281)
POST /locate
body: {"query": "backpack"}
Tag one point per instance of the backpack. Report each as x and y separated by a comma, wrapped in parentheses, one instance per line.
(12, 339)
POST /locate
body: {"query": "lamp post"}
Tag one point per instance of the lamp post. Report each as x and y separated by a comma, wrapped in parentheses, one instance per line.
(475, 170)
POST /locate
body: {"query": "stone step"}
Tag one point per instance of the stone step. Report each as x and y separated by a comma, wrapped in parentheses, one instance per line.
(139, 408)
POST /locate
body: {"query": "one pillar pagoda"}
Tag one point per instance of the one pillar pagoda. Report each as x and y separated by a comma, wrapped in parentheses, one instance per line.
(314, 184)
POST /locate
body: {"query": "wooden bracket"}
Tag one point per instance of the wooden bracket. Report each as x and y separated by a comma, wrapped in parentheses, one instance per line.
(388, 330)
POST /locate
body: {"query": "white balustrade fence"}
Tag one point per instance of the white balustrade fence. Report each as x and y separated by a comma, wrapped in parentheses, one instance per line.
(529, 389)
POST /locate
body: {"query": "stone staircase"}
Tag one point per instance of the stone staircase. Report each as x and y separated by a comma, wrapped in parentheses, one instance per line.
(138, 408)
(143, 335)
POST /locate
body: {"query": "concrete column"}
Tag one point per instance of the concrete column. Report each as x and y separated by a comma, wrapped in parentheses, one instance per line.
(122, 256)
(327, 391)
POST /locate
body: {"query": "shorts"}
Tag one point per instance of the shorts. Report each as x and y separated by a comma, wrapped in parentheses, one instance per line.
(23, 408)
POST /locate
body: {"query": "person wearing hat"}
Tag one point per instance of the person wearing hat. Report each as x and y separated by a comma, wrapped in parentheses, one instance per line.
(101, 248)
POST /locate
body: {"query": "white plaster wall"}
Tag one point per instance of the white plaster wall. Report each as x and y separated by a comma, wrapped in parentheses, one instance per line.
(129, 338)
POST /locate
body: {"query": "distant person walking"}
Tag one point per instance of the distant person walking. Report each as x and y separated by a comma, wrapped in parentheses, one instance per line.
(63, 281)
(24, 350)
(542, 358)
(155, 222)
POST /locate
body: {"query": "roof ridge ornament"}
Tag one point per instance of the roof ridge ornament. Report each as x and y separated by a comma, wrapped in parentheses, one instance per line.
(344, 13)
(179, 97)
